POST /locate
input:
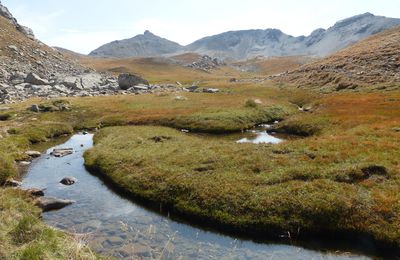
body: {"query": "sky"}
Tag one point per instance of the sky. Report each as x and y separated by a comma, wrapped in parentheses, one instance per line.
(84, 25)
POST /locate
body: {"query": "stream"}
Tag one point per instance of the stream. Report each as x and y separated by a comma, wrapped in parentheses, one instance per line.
(113, 225)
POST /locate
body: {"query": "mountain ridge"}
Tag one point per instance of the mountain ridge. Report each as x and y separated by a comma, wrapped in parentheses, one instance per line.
(155, 45)
(246, 44)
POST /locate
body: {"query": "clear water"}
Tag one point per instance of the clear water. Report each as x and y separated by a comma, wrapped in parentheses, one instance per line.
(260, 137)
(113, 225)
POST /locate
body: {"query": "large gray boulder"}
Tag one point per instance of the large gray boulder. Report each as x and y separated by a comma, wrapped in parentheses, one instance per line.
(91, 80)
(34, 79)
(51, 203)
(72, 83)
(126, 81)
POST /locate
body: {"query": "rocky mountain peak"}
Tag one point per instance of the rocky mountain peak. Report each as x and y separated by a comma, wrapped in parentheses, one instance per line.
(358, 18)
(142, 45)
(148, 33)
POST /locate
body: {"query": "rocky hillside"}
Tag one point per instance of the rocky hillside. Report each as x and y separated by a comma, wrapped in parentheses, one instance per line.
(241, 45)
(144, 45)
(4, 12)
(372, 62)
(29, 68)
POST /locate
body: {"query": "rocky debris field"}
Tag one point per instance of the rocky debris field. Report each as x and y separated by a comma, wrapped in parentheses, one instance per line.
(20, 86)
(206, 63)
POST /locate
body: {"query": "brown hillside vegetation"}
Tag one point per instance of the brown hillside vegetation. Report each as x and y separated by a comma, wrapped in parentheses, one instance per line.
(19, 53)
(372, 62)
(186, 58)
(160, 70)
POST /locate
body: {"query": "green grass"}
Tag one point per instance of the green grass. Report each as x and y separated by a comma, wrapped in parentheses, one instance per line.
(226, 121)
(24, 236)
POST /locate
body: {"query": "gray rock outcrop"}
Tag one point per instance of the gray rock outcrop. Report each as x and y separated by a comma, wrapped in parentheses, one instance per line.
(126, 81)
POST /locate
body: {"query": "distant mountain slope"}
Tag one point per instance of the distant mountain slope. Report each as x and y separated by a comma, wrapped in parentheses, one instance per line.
(143, 45)
(371, 62)
(272, 42)
(246, 44)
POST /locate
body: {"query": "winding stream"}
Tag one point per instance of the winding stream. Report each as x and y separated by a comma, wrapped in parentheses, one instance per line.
(113, 225)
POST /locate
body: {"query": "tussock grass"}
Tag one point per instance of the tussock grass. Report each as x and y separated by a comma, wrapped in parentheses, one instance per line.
(344, 179)
(24, 236)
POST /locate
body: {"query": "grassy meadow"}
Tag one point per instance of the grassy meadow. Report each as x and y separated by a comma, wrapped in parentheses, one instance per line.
(342, 176)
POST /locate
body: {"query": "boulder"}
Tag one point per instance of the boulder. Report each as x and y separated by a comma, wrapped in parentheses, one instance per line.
(51, 203)
(34, 79)
(13, 48)
(68, 181)
(33, 154)
(24, 163)
(17, 78)
(12, 183)
(126, 81)
(72, 82)
(61, 152)
(35, 192)
(192, 88)
(211, 90)
(35, 108)
(91, 80)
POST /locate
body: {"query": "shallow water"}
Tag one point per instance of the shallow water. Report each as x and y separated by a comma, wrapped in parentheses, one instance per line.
(113, 225)
(260, 137)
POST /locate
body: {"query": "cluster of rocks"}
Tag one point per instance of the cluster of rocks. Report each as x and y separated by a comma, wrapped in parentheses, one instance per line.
(206, 63)
(197, 89)
(20, 86)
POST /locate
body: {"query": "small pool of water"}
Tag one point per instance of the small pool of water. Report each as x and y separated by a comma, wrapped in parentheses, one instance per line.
(114, 225)
(260, 137)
